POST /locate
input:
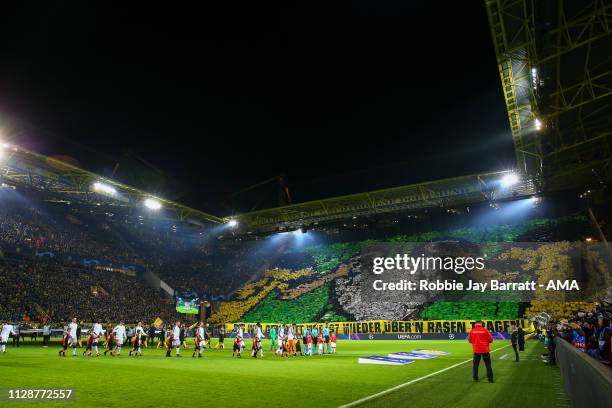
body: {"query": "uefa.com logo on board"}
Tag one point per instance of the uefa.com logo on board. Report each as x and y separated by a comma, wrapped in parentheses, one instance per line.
(409, 337)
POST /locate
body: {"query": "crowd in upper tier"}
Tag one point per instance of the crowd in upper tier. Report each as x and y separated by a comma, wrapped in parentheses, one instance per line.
(183, 258)
(43, 274)
(30, 227)
(44, 289)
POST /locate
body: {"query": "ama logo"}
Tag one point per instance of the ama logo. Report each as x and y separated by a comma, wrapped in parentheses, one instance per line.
(562, 285)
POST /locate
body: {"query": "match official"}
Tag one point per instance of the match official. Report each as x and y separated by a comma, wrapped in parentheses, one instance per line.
(514, 339)
(480, 338)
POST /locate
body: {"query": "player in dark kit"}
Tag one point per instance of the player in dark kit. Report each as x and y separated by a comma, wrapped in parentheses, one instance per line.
(198, 344)
(305, 341)
(256, 347)
(207, 337)
(221, 337)
(136, 345)
(162, 338)
(183, 336)
(169, 342)
(89, 343)
(298, 348)
(285, 347)
(64, 344)
(78, 334)
(110, 342)
(237, 347)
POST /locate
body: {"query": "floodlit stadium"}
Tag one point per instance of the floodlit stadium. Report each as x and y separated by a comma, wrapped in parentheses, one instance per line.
(377, 298)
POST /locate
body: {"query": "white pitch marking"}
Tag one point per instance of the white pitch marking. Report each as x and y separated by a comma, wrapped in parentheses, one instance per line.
(397, 387)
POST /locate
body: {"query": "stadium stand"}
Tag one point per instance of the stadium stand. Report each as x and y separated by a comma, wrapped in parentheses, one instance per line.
(471, 310)
(300, 310)
(36, 227)
(559, 310)
(191, 261)
(337, 266)
(319, 281)
(45, 290)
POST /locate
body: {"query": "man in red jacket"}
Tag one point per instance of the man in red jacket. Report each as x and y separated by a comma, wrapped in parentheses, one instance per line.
(480, 338)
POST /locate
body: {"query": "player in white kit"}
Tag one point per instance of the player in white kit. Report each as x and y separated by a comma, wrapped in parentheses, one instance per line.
(139, 333)
(280, 336)
(199, 340)
(119, 332)
(176, 338)
(259, 334)
(139, 329)
(241, 334)
(7, 330)
(72, 336)
(98, 331)
(291, 339)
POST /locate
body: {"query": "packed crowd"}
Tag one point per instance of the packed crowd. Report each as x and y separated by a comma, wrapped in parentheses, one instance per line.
(351, 297)
(27, 226)
(183, 258)
(200, 270)
(589, 331)
(44, 289)
(327, 276)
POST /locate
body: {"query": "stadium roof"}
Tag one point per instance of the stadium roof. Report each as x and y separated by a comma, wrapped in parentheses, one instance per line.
(445, 193)
(20, 167)
(555, 64)
(63, 181)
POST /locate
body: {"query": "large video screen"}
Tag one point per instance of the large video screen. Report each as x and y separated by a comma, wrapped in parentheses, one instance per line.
(187, 302)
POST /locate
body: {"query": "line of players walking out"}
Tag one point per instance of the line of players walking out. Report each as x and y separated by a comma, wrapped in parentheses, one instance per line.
(114, 338)
(285, 342)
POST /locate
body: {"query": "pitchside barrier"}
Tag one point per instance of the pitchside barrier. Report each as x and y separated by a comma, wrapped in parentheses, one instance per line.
(587, 381)
(392, 329)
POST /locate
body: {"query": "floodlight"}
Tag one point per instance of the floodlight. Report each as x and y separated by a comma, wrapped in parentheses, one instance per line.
(509, 180)
(152, 204)
(537, 124)
(232, 223)
(103, 188)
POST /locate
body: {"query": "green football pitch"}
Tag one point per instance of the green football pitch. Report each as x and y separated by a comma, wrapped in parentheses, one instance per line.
(220, 380)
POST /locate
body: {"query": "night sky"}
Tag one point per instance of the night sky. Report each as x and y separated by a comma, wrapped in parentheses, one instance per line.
(198, 104)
